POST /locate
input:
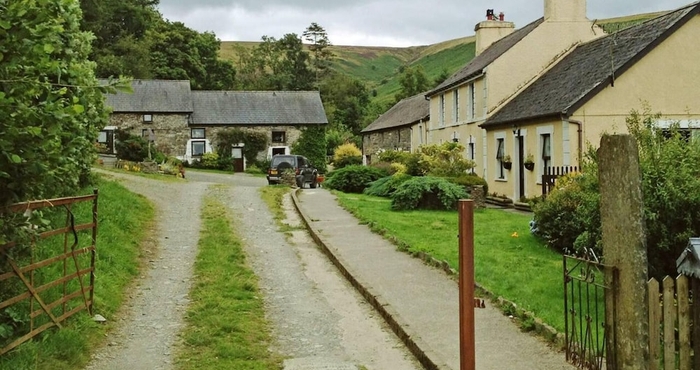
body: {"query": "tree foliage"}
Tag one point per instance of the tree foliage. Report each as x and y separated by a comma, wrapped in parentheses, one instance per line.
(413, 81)
(346, 100)
(50, 105)
(275, 65)
(312, 145)
(319, 42)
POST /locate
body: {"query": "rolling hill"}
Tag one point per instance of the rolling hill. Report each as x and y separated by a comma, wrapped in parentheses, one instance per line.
(378, 67)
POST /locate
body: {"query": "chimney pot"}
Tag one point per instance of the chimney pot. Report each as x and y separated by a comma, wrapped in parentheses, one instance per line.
(489, 14)
(501, 17)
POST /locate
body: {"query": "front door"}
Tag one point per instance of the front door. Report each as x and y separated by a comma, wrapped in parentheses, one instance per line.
(237, 155)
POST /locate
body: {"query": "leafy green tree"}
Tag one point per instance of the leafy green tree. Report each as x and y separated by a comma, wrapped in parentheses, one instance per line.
(346, 101)
(178, 52)
(50, 106)
(413, 81)
(444, 75)
(120, 46)
(312, 144)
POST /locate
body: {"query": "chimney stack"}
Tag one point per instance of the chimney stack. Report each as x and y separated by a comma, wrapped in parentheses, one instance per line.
(491, 30)
(565, 10)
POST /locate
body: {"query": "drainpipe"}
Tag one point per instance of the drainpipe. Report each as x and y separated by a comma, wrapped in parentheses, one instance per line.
(580, 139)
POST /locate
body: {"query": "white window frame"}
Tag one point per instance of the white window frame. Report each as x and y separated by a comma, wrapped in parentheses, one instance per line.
(147, 118)
(472, 102)
(442, 110)
(456, 105)
(541, 163)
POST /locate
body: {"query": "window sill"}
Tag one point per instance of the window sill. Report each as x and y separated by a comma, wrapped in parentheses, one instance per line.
(500, 180)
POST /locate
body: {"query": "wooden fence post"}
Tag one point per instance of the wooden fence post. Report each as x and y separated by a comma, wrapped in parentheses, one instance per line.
(624, 247)
(466, 286)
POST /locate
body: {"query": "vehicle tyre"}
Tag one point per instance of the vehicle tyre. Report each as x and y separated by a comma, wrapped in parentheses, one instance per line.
(314, 184)
(300, 181)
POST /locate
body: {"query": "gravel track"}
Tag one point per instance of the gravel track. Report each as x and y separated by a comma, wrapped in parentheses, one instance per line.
(318, 319)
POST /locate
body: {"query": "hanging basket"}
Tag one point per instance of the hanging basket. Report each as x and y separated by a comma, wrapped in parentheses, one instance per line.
(530, 166)
(508, 165)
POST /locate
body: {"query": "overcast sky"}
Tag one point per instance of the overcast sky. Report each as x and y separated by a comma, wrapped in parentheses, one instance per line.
(374, 22)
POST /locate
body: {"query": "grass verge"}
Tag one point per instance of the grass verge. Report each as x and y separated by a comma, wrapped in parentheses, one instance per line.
(124, 219)
(152, 176)
(509, 261)
(226, 319)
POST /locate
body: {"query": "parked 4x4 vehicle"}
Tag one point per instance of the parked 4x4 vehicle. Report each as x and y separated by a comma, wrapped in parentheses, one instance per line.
(304, 171)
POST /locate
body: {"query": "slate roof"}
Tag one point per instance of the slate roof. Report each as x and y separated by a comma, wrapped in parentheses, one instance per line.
(257, 108)
(476, 66)
(153, 96)
(590, 68)
(406, 112)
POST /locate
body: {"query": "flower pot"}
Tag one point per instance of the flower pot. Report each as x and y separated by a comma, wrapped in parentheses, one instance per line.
(530, 166)
(507, 165)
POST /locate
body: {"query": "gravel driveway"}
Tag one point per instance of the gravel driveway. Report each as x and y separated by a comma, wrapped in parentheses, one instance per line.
(319, 320)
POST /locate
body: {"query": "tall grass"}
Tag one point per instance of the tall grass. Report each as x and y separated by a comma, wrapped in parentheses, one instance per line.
(509, 261)
(124, 220)
(226, 319)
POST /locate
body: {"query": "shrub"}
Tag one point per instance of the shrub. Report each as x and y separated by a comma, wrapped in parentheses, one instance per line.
(347, 155)
(253, 142)
(386, 186)
(130, 147)
(568, 218)
(353, 179)
(427, 193)
(470, 180)
(312, 145)
(392, 156)
(444, 160)
(398, 168)
(210, 160)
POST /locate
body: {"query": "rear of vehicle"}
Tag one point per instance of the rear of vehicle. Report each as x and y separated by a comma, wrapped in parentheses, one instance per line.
(278, 165)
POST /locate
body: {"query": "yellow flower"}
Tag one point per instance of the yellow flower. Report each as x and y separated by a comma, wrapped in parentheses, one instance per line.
(514, 235)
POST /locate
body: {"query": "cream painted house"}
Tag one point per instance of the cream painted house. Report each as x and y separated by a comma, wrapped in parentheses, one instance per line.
(507, 60)
(591, 91)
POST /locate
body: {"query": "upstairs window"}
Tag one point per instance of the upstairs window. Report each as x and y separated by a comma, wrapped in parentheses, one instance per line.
(198, 133)
(456, 106)
(279, 137)
(442, 110)
(472, 102)
(147, 118)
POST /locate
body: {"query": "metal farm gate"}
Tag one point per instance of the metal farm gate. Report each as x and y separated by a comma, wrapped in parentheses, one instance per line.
(50, 276)
(584, 310)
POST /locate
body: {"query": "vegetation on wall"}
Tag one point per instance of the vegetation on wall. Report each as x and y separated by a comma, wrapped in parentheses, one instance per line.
(312, 145)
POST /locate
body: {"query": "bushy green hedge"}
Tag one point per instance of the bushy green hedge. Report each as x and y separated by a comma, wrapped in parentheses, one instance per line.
(386, 186)
(353, 179)
(427, 193)
(470, 180)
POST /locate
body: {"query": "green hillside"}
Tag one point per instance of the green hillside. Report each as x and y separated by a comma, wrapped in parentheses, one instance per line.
(378, 67)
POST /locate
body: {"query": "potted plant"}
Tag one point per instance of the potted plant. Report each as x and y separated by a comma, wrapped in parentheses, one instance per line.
(529, 162)
(507, 162)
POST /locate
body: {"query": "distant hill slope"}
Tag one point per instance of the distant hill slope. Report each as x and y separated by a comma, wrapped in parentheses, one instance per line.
(379, 67)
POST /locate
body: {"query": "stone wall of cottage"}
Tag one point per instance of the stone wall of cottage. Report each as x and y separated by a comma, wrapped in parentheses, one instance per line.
(397, 139)
(171, 131)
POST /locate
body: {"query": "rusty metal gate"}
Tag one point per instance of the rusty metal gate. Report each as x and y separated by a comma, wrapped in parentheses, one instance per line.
(44, 283)
(584, 310)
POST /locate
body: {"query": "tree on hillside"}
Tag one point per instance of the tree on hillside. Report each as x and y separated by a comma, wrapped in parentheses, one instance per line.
(181, 53)
(444, 75)
(51, 106)
(413, 81)
(275, 65)
(317, 37)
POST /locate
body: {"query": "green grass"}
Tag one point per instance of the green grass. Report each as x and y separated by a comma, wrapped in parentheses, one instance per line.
(151, 176)
(520, 269)
(226, 326)
(124, 220)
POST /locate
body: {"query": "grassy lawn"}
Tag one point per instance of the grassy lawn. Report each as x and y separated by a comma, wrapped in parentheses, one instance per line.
(226, 319)
(124, 219)
(520, 269)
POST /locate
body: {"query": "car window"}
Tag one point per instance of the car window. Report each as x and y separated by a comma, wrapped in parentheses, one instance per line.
(302, 161)
(276, 160)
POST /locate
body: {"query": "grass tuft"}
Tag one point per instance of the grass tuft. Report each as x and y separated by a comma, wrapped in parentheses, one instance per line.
(226, 319)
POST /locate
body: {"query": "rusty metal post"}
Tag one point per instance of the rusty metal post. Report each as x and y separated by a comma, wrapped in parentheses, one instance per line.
(466, 285)
(93, 252)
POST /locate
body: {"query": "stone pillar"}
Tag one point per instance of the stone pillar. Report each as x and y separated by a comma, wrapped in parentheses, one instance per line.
(624, 247)
(476, 193)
